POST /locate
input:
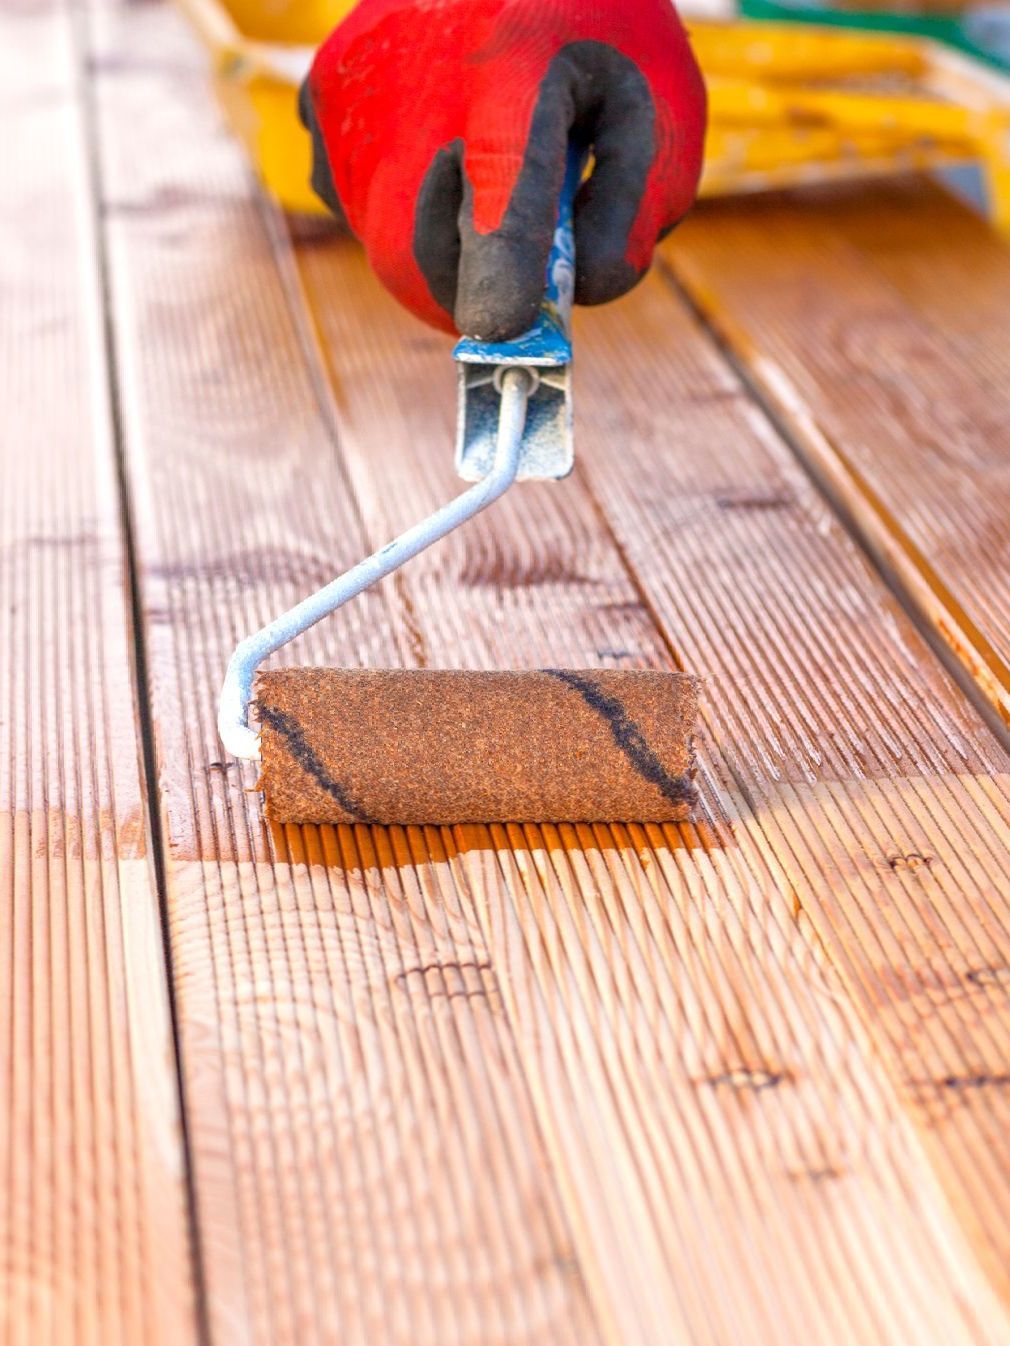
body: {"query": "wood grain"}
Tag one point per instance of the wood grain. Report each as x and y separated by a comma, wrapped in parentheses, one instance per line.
(868, 783)
(875, 320)
(525, 1085)
(93, 1227)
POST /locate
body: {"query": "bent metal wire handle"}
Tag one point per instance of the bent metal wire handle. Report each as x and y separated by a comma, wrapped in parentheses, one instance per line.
(547, 344)
(236, 694)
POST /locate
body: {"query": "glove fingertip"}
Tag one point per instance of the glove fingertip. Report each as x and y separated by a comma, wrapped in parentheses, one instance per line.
(491, 313)
(501, 284)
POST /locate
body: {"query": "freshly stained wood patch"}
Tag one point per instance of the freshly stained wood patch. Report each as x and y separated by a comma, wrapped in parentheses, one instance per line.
(94, 1245)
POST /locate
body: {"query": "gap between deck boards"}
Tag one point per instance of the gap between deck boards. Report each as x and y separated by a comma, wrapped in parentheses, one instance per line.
(85, 58)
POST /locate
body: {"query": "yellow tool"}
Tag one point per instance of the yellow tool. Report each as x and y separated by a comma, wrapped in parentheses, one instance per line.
(788, 103)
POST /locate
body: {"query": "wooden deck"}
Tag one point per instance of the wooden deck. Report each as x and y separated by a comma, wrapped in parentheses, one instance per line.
(742, 1081)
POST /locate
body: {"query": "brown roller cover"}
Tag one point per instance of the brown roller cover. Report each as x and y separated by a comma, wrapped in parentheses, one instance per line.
(428, 746)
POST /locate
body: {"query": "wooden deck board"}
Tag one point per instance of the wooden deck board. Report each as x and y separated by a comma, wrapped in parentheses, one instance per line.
(94, 1244)
(875, 320)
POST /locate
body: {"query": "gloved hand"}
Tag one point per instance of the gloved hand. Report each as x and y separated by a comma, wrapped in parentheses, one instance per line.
(440, 129)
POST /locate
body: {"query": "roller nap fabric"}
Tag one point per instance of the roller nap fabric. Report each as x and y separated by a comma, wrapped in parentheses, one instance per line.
(429, 746)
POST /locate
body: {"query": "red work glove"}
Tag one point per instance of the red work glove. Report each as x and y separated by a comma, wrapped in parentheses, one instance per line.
(440, 130)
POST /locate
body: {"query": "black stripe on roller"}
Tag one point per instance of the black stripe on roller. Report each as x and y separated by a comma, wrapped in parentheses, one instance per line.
(628, 737)
(304, 754)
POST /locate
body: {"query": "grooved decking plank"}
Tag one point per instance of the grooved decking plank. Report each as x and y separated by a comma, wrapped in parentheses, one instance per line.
(867, 780)
(368, 1164)
(93, 1225)
(875, 320)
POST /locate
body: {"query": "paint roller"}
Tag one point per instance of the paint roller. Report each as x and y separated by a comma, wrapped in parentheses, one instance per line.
(443, 747)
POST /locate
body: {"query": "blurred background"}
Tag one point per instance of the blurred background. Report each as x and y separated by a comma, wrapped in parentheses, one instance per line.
(797, 93)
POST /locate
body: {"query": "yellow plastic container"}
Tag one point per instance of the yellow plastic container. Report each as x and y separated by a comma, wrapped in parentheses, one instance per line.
(260, 52)
(788, 104)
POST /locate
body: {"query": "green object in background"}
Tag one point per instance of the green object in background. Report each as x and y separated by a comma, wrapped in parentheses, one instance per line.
(982, 32)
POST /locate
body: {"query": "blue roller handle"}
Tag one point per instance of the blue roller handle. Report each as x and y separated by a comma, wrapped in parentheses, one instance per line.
(548, 342)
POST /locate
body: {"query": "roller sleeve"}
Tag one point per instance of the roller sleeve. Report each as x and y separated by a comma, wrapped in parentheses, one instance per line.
(442, 747)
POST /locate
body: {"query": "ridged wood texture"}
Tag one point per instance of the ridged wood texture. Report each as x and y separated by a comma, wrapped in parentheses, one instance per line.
(876, 320)
(93, 1232)
(734, 1081)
